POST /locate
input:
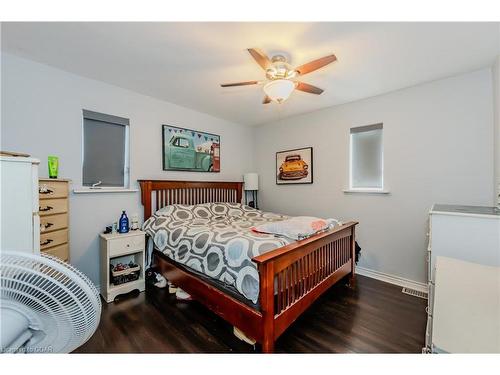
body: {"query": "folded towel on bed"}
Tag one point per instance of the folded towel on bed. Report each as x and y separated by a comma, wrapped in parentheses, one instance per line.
(297, 228)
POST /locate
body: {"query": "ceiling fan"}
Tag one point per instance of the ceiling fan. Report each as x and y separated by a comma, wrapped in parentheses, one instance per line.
(281, 76)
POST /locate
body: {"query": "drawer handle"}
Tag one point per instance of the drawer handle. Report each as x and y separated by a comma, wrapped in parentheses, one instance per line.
(47, 225)
(45, 191)
(46, 242)
(48, 208)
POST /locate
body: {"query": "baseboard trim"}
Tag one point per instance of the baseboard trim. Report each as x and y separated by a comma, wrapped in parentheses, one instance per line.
(392, 279)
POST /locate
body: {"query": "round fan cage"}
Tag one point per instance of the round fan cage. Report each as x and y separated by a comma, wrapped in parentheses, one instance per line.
(47, 305)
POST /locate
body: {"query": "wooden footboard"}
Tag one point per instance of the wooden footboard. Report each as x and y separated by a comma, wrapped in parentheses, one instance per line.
(291, 277)
(294, 276)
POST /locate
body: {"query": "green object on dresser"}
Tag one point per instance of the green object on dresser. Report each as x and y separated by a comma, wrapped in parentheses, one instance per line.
(53, 162)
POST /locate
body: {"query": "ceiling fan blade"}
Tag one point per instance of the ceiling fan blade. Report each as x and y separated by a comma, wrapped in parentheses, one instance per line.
(260, 57)
(306, 87)
(315, 65)
(266, 100)
(246, 83)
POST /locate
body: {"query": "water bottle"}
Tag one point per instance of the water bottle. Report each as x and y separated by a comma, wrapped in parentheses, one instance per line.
(123, 228)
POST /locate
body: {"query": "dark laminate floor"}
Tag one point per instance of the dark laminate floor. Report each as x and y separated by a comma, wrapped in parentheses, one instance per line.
(372, 317)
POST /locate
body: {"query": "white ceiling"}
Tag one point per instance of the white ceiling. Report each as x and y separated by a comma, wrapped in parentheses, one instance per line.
(184, 63)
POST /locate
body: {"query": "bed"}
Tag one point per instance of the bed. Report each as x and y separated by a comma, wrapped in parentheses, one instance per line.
(291, 276)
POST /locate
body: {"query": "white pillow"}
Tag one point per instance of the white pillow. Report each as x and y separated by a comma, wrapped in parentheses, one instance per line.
(296, 228)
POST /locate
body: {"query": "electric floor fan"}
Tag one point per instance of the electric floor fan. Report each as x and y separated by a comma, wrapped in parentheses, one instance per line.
(46, 305)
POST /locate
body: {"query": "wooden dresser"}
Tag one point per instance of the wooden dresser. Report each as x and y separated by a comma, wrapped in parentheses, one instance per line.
(54, 217)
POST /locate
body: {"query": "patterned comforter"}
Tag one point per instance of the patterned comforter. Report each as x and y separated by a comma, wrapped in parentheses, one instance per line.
(216, 240)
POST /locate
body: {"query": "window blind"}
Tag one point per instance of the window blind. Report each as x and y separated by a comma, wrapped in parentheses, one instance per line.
(104, 149)
(367, 157)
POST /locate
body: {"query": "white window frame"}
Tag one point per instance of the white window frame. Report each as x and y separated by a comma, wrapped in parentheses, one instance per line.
(372, 190)
(126, 180)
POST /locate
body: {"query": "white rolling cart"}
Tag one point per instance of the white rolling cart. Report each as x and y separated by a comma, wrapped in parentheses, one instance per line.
(115, 248)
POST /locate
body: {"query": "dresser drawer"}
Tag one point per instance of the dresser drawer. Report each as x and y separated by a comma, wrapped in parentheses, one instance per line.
(52, 239)
(118, 246)
(52, 189)
(53, 222)
(53, 206)
(61, 251)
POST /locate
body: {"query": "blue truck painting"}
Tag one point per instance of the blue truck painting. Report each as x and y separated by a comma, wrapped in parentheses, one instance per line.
(190, 150)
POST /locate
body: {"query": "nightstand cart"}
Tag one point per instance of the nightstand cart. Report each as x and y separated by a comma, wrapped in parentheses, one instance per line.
(121, 248)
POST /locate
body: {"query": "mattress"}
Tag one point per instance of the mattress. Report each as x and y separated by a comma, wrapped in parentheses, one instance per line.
(216, 240)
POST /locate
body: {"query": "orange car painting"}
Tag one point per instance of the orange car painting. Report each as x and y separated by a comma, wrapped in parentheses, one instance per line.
(293, 168)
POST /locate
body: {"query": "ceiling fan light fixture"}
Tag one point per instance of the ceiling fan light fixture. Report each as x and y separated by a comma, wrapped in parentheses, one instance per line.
(281, 76)
(279, 90)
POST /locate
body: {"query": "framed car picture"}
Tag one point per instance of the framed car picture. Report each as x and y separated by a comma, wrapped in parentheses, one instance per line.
(190, 150)
(294, 166)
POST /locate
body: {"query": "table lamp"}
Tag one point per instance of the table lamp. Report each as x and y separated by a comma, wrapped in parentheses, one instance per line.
(251, 182)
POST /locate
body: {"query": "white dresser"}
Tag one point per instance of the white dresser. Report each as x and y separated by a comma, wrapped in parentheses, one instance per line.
(467, 233)
(20, 223)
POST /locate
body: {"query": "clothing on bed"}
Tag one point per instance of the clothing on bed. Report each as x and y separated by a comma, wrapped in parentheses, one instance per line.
(216, 239)
(296, 228)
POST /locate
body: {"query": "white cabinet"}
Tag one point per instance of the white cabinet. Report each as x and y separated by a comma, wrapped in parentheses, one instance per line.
(467, 233)
(121, 248)
(20, 223)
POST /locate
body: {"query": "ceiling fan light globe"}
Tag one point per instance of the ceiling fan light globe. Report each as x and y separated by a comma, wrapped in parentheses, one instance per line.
(278, 58)
(279, 90)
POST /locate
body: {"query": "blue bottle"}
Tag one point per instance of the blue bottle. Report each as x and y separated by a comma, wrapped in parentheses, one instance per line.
(123, 227)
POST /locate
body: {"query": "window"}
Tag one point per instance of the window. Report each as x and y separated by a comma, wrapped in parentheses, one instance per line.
(105, 150)
(181, 142)
(366, 158)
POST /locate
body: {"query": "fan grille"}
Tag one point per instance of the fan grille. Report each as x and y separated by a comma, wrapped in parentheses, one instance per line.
(61, 303)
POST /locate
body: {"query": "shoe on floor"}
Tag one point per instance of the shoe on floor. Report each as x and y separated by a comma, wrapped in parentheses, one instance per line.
(161, 281)
(172, 289)
(182, 295)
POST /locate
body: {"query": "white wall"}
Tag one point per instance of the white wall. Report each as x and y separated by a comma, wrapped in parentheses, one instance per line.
(42, 115)
(496, 109)
(437, 148)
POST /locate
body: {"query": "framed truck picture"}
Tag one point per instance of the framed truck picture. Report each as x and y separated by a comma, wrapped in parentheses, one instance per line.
(190, 150)
(294, 166)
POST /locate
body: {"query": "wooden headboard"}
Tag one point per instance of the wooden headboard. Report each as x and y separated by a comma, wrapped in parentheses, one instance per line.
(156, 194)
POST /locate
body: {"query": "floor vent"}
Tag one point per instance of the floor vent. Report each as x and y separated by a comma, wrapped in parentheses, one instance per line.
(414, 293)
